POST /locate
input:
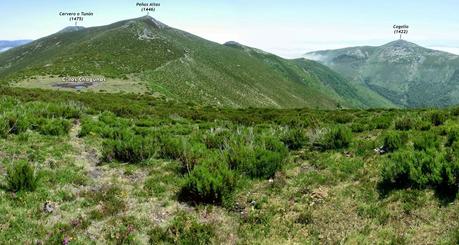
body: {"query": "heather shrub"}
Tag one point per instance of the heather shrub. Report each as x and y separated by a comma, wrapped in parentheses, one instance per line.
(453, 136)
(216, 140)
(423, 125)
(211, 181)
(187, 151)
(134, 149)
(171, 147)
(426, 140)
(438, 118)
(18, 123)
(337, 137)
(342, 118)
(66, 110)
(4, 127)
(54, 127)
(381, 122)
(259, 160)
(421, 169)
(358, 127)
(21, 176)
(294, 139)
(404, 124)
(392, 141)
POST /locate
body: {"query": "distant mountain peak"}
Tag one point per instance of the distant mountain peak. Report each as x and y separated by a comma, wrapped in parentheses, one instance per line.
(403, 72)
(157, 23)
(401, 44)
(232, 43)
(72, 29)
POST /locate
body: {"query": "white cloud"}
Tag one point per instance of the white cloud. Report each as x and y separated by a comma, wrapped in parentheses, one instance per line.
(452, 50)
(5, 49)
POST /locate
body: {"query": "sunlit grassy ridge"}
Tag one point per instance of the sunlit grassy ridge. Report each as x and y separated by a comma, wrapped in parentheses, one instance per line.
(116, 168)
(184, 67)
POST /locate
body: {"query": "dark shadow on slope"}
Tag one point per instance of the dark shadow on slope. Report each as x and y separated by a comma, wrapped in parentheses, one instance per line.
(445, 193)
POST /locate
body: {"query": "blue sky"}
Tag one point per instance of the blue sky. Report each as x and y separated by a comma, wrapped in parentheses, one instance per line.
(287, 28)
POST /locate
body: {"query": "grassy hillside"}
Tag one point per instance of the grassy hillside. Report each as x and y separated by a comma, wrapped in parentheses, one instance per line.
(402, 72)
(180, 66)
(111, 168)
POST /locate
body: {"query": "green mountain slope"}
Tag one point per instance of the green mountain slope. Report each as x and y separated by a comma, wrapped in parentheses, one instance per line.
(322, 78)
(180, 66)
(404, 73)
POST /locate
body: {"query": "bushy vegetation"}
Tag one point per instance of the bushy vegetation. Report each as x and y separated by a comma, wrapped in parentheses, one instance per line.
(21, 176)
(421, 169)
(209, 182)
(54, 127)
(142, 169)
(404, 123)
(295, 139)
(393, 141)
(133, 149)
(438, 118)
(425, 141)
(382, 122)
(260, 158)
(453, 137)
(337, 137)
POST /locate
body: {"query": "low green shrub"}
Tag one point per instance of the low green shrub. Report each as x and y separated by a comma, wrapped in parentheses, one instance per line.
(192, 153)
(404, 124)
(421, 169)
(133, 150)
(18, 123)
(68, 110)
(211, 181)
(182, 149)
(294, 139)
(382, 122)
(216, 140)
(438, 118)
(260, 160)
(455, 111)
(54, 127)
(90, 126)
(21, 176)
(365, 147)
(264, 165)
(423, 125)
(342, 118)
(4, 127)
(358, 127)
(171, 147)
(453, 136)
(392, 141)
(426, 140)
(337, 137)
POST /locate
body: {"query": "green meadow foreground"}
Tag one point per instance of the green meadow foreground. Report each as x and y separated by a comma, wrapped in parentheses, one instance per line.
(83, 168)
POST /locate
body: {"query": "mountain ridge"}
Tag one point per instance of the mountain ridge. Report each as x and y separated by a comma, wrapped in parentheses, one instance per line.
(179, 65)
(403, 72)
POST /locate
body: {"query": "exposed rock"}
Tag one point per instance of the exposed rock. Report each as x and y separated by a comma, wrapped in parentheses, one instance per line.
(381, 150)
(49, 207)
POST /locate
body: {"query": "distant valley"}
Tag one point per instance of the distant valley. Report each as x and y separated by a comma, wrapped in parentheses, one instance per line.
(5, 45)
